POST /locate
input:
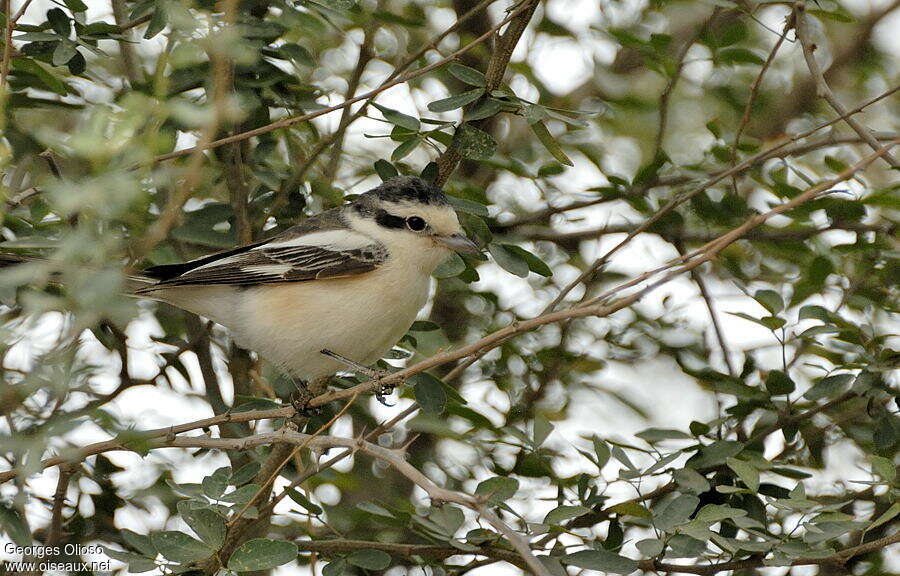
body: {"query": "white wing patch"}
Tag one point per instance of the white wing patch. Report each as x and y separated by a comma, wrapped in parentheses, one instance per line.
(268, 269)
(336, 240)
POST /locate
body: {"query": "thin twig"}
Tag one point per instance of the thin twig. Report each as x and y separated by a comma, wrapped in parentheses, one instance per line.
(713, 316)
(823, 90)
(755, 86)
(838, 559)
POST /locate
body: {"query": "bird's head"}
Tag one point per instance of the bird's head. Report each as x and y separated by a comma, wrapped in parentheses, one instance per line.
(407, 212)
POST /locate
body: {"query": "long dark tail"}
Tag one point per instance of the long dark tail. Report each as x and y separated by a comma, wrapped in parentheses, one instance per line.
(133, 285)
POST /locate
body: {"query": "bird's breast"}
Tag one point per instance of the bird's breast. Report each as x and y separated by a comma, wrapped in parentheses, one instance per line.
(360, 317)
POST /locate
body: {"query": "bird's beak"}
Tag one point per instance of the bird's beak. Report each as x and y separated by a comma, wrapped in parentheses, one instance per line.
(458, 243)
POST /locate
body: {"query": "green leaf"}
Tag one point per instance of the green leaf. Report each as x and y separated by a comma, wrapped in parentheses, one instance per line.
(303, 501)
(838, 15)
(453, 266)
(335, 568)
(468, 206)
(14, 526)
(473, 143)
(455, 101)
(601, 560)
(139, 542)
(484, 109)
(563, 513)
(684, 546)
(716, 513)
(650, 547)
(179, 547)
(64, 52)
(298, 54)
(601, 449)
(653, 435)
(404, 149)
(385, 170)
(136, 564)
(770, 322)
(884, 468)
(429, 392)
(75, 6)
(748, 474)
(46, 78)
(716, 453)
(467, 75)
(813, 312)
(398, 118)
(674, 512)
(540, 130)
(888, 515)
(535, 264)
(206, 524)
(447, 519)
(508, 259)
(216, 483)
(242, 495)
(778, 383)
(690, 480)
(370, 559)
(739, 56)
(157, 22)
(542, 429)
(631, 509)
(499, 488)
(770, 300)
(828, 386)
(245, 474)
(261, 554)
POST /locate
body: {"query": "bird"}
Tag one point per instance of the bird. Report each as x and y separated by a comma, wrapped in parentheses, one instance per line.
(350, 280)
(341, 287)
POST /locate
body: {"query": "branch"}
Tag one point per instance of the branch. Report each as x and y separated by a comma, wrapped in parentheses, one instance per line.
(766, 235)
(54, 531)
(822, 88)
(389, 456)
(407, 550)
(713, 315)
(839, 558)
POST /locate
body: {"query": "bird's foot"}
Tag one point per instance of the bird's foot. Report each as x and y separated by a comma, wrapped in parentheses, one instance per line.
(383, 391)
(376, 374)
(300, 400)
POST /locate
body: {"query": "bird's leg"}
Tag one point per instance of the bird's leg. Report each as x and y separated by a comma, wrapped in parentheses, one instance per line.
(376, 374)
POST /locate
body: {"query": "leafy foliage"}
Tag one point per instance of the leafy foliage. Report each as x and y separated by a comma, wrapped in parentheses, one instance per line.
(741, 415)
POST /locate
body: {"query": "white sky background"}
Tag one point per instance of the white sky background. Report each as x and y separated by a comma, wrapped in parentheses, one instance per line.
(671, 399)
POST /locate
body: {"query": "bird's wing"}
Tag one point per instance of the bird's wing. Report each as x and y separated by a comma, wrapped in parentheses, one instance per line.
(322, 247)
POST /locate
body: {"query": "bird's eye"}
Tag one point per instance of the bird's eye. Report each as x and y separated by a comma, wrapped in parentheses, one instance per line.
(415, 224)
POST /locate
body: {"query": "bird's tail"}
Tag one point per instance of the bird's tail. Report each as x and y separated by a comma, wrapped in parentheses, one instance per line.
(133, 283)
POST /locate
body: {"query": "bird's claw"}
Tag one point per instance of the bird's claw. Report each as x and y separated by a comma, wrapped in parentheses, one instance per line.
(382, 392)
(300, 401)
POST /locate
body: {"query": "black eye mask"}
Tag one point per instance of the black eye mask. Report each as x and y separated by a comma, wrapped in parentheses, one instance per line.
(388, 220)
